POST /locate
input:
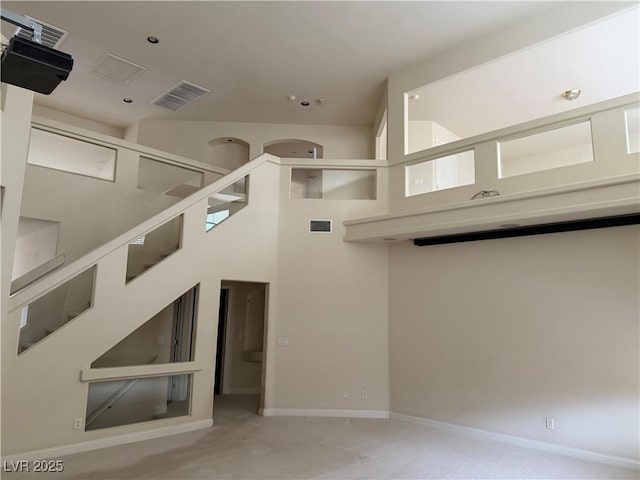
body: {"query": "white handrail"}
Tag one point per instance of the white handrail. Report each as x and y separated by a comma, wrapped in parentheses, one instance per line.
(37, 273)
(67, 272)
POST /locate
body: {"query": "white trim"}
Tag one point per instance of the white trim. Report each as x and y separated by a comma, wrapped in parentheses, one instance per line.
(510, 197)
(115, 440)
(243, 390)
(137, 371)
(227, 347)
(588, 455)
(326, 163)
(317, 412)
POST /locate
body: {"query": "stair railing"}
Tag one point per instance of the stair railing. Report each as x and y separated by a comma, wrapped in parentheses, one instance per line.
(67, 272)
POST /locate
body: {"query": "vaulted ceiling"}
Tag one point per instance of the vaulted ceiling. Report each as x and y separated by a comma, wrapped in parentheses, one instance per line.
(252, 55)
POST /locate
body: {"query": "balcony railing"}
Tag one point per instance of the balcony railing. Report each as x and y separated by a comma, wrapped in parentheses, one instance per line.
(574, 165)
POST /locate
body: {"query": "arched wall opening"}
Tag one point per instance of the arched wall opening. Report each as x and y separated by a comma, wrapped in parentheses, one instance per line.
(293, 149)
(228, 152)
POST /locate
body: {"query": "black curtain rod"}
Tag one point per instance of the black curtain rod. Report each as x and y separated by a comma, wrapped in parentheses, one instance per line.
(604, 222)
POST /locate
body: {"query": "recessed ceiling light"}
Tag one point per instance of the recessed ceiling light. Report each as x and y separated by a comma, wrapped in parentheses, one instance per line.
(305, 103)
(153, 40)
(127, 100)
(572, 94)
(229, 140)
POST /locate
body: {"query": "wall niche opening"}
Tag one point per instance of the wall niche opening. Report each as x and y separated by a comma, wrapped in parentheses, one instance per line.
(294, 149)
(228, 152)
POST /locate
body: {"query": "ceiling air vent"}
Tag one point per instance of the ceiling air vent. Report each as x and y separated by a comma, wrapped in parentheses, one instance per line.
(51, 36)
(320, 226)
(180, 95)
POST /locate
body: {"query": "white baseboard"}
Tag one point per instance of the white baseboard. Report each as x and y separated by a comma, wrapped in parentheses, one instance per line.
(115, 440)
(243, 390)
(122, 439)
(523, 442)
(317, 412)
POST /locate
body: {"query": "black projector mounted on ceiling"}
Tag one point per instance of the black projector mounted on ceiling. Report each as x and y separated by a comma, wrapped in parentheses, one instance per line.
(29, 64)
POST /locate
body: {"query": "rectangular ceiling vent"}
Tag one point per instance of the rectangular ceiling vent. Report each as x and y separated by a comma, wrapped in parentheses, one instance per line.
(320, 226)
(118, 69)
(180, 95)
(51, 36)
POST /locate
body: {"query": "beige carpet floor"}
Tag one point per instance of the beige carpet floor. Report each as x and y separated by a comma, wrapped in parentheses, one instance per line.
(242, 445)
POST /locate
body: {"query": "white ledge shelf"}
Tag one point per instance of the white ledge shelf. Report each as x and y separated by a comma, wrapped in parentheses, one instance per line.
(137, 371)
(601, 198)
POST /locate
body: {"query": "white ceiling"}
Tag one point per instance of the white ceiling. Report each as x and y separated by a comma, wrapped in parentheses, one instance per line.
(601, 59)
(251, 55)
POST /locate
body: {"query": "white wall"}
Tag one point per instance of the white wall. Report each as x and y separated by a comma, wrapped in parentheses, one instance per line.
(36, 244)
(322, 294)
(571, 155)
(500, 334)
(229, 155)
(81, 122)
(90, 211)
(15, 106)
(152, 339)
(514, 37)
(191, 139)
(332, 307)
(423, 134)
(348, 184)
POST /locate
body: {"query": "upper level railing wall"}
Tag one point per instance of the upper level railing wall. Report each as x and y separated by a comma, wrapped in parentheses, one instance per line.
(579, 164)
(96, 187)
(611, 129)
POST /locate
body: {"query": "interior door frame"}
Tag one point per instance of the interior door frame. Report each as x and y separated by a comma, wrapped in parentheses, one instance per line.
(228, 337)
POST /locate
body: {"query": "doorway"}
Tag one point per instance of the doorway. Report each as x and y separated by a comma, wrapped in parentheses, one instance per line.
(220, 340)
(240, 352)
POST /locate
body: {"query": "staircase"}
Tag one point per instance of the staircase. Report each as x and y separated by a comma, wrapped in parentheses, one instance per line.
(128, 285)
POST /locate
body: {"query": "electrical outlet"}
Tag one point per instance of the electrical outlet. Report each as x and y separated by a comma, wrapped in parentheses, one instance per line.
(345, 394)
(283, 341)
(77, 423)
(551, 423)
(364, 394)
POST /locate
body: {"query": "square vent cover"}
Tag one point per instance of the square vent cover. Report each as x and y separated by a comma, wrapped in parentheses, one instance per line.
(118, 69)
(320, 226)
(180, 95)
(51, 36)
